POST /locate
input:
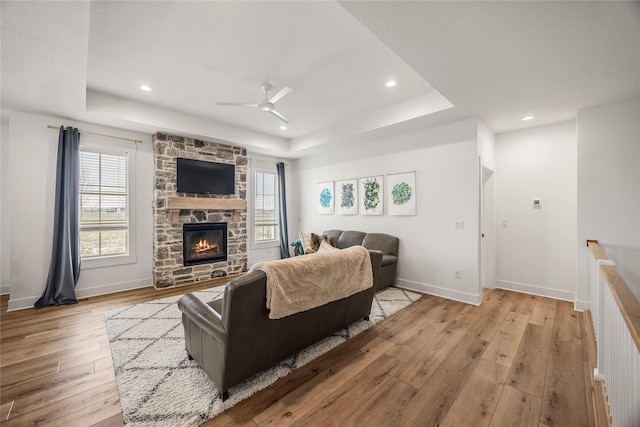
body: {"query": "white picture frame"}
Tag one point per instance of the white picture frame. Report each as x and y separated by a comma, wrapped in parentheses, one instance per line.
(347, 197)
(372, 195)
(401, 193)
(325, 198)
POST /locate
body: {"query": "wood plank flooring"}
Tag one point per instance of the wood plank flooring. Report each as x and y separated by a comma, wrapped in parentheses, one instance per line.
(516, 360)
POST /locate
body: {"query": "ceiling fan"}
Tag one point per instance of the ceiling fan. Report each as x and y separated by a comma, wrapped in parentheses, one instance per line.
(269, 104)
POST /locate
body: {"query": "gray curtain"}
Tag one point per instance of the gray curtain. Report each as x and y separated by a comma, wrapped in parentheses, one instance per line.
(65, 254)
(282, 204)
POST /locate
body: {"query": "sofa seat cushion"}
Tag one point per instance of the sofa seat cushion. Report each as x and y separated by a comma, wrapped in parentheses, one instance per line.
(388, 260)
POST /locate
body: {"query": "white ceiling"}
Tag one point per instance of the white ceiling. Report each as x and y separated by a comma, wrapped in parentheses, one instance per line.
(494, 60)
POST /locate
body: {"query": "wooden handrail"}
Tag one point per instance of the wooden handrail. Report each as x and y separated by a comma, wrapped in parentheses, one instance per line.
(627, 302)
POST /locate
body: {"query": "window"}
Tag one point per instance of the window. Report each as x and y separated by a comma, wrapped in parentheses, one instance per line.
(104, 204)
(265, 206)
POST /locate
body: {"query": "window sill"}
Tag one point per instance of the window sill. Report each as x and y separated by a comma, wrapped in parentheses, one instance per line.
(107, 261)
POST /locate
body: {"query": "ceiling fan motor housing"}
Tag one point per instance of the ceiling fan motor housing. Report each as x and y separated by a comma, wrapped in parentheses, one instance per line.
(266, 106)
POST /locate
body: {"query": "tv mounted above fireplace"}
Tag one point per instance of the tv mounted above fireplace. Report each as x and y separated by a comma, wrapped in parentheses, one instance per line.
(197, 176)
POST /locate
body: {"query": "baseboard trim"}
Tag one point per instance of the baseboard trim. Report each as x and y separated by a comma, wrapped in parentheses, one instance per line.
(439, 292)
(579, 305)
(536, 290)
(113, 288)
(5, 289)
(26, 303)
(21, 304)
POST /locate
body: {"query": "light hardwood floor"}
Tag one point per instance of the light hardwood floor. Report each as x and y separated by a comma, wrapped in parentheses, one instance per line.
(516, 360)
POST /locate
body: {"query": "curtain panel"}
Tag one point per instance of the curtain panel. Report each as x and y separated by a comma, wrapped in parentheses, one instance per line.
(64, 269)
(282, 204)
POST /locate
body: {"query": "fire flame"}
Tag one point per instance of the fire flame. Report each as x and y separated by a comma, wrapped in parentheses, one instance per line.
(204, 246)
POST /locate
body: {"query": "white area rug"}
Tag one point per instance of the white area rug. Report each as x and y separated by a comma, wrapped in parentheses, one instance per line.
(160, 386)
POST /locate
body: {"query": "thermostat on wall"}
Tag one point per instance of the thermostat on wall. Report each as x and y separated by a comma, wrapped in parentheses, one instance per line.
(537, 203)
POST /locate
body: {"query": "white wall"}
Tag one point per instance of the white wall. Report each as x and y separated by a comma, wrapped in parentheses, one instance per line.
(32, 160)
(535, 252)
(487, 146)
(5, 230)
(445, 159)
(609, 190)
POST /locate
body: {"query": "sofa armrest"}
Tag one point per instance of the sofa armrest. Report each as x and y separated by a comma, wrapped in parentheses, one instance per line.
(386, 243)
(203, 315)
(376, 263)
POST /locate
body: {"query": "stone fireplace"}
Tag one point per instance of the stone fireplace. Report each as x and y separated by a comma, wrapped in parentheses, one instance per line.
(181, 218)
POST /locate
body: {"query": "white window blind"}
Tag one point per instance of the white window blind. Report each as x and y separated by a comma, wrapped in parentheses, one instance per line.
(265, 199)
(104, 204)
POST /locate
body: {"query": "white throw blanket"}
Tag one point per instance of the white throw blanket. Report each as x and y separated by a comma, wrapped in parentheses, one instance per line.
(308, 281)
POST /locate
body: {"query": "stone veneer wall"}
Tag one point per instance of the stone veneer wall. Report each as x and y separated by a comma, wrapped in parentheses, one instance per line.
(168, 268)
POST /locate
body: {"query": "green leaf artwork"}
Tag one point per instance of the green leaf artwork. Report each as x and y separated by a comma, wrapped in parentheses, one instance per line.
(371, 194)
(401, 193)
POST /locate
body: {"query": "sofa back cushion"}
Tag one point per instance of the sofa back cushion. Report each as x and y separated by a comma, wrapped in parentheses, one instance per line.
(386, 243)
(350, 238)
(332, 236)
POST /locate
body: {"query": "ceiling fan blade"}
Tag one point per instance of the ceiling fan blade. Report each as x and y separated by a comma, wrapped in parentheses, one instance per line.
(278, 96)
(280, 116)
(237, 104)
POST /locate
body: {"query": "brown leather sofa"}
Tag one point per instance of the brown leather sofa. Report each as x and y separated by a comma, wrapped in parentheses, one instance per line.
(385, 243)
(233, 338)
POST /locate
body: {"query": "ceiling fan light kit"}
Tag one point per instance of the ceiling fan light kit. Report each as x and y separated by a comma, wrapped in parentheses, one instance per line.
(268, 105)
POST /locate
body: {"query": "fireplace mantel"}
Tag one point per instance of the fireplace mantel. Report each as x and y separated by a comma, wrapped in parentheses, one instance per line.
(174, 204)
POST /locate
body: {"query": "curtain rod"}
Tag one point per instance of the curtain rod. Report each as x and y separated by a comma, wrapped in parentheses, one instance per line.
(102, 134)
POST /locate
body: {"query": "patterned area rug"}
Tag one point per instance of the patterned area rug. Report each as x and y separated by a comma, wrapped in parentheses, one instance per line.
(159, 386)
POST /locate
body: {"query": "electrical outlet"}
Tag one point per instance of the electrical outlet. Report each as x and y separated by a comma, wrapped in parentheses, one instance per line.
(457, 274)
(459, 225)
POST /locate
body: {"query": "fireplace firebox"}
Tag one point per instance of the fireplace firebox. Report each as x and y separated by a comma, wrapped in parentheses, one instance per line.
(204, 242)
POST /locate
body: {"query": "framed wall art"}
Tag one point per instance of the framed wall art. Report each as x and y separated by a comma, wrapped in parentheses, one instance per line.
(371, 195)
(347, 197)
(401, 193)
(326, 198)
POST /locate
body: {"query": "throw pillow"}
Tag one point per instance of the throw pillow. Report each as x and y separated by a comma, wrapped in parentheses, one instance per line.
(297, 245)
(326, 247)
(311, 242)
(316, 240)
(307, 244)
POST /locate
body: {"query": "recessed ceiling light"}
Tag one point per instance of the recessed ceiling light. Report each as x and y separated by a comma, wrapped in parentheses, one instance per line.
(283, 127)
(528, 118)
(145, 88)
(391, 83)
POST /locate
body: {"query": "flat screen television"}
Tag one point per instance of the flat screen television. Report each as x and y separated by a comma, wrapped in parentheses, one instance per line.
(197, 176)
